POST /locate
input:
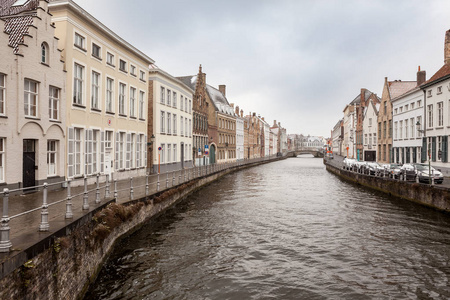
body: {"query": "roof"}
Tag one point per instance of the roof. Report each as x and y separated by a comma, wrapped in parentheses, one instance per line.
(398, 87)
(219, 100)
(367, 94)
(442, 72)
(155, 69)
(190, 81)
(17, 19)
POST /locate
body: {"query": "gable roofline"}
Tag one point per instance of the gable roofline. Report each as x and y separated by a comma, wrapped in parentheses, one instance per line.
(442, 74)
(157, 70)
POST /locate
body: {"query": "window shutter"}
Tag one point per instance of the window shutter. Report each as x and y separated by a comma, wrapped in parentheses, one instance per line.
(433, 148)
(128, 151)
(407, 155)
(138, 150)
(102, 152)
(70, 150)
(117, 150)
(86, 151)
(424, 150)
(445, 148)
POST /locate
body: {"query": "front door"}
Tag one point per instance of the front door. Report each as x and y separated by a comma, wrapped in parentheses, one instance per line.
(182, 155)
(212, 155)
(29, 163)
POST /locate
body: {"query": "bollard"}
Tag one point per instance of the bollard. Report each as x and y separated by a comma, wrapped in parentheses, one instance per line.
(131, 189)
(69, 213)
(146, 184)
(85, 195)
(417, 179)
(107, 186)
(5, 243)
(44, 226)
(115, 190)
(97, 190)
(157, 186)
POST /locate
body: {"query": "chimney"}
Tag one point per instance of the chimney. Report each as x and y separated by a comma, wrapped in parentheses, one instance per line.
(254, 114)
(421, 77)
(237, 110)
(232, 105)
(274, 123)
(363, 97)
(222, 89)
(262, 118)
(279, 124)
(447, 47)
(242, 113)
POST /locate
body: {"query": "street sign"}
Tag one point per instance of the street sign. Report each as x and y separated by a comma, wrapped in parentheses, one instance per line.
(206, 147)
(206, 152)
(159, 148)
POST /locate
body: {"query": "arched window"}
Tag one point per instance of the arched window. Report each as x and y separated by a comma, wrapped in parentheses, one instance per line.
(44, 53)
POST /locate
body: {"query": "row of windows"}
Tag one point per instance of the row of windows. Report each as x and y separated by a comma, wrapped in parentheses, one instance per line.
(438, 113)
(172, 100)
(368, 139)
(135, 104)
(88, 148)
(226, 138)
(199, 143)
(438, 91)
(96, 52)
(31, 99)
(407, 107)
(230, 154)
(169, 153)
(200, 123)
(185, 124)
(406, 129)
(226, 124)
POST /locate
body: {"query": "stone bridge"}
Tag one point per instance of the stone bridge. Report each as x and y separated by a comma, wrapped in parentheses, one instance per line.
(316, 152)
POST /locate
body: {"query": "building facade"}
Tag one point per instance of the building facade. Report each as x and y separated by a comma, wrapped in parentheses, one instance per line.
(370, 131)
(107, 100)
(170, 102)
(32, 97)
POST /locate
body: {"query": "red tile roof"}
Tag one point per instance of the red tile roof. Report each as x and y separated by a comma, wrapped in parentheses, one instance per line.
(397, 88)
(17, 27)
(444, 71)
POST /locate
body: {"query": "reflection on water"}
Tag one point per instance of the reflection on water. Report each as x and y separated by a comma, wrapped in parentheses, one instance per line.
(285, 230)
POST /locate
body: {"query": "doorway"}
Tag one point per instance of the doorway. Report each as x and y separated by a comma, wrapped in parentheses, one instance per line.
(29, 164)
(212, 154)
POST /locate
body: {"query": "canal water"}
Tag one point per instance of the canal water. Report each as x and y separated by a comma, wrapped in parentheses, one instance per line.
(284, 230)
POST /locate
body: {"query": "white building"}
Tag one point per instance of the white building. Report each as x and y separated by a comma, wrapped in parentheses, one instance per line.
(239, 134)
(349, 130)
(370, 131)
(337, 138)
(171, 107)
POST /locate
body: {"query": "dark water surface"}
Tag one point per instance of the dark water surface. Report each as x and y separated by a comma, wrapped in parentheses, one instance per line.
(285, 230)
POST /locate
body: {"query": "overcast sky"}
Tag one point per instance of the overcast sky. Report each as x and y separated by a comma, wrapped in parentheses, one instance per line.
(298, 62)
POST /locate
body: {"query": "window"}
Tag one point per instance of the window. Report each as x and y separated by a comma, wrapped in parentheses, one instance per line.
(419, 119)
(163, 120)
(181, 102)
(169, 96)
(122, 88)
(96, 51)
(185, 127)
(370, 121)
(141, 104)
(406, 129)
(163, 150)
(401, 109)
(88, 152)
(406, 107)
(189, 129)
(95, 151)
(31, 98)
(181, 125)
(185, 104)
(190, 106)
(429, 93)
(110, 59)
(395, 130)
(385, 107)
(169, 152)
(108, 139)
(169, 124)
(133, 102)
(78, 82)
(122, 65)
(174, 124)
(440, 112)
(132, 150)
(419, 103)
(79, 41)
(412, 106)
(163, 93)
(142, 75)
(390, 128)
(2, 159)
(174, 99)
(77, 151)
(411, 126)
(401, 129)
(439, 90)
(44, 53)
(174, 152)
(53, 105)
(132, 70)
(109, 94)
(430, 116)
(95, 90)
(384, 129)
(396, 111)
(2, 94)
(121, 150)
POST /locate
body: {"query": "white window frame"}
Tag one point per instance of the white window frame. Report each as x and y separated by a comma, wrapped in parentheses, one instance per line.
(44, 53)
(141, 104)
(133, 70)
(440, 113)
(169, 97)
(78, 84)
(430, 115)
(162, 122)
(174, 102)
(2, 158)
(54, 103)
(133, 102)
(169, 125)
(2, 94)
(96, 142)
(121, 149)
(109, 139)
(31, 98)
(142, 75)
(94, 52)
(169, 152)
(77, 151)
(181, 102)
(110, 59)
(163, 95)
(175, 124)
(175, 158)
(79, 41)
(109, 105)
(181, 125)
(123, 65)
(95, 89)
(163, 150)
(122, 96)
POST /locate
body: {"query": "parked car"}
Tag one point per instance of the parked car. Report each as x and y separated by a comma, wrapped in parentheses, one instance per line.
(408, 171)
(348, 163)
(373, 168)
(425, 173)
(394, 170)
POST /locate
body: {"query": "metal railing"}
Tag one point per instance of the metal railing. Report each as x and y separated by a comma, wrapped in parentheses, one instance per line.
(123, 189)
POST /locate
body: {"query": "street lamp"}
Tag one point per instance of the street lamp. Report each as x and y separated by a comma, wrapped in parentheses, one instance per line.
(418, 127)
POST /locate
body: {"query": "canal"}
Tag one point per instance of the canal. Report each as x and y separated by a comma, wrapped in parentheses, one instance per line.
(284, 230)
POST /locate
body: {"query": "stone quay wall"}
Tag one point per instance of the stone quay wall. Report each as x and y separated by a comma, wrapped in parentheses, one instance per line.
(64, 266)
(432, 196)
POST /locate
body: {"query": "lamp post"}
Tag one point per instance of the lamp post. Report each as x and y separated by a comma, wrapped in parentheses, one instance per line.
(150, 148)
(418, 126)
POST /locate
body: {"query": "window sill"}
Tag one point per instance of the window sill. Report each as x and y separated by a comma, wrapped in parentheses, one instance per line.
(55, 121)
(143, 80)
(123, 71)
(122, 115)
(78, 105)
(79, 48)
(110, 113)
(141, 119)
(45, 64)
(96, 110)
(440, 127)
(32, 118)
(97, 57)
(134, 118)
(3, 117)
(52, 176)
(110, 65)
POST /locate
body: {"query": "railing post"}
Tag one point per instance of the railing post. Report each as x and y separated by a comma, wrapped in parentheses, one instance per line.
(44, 226)
(157, 185)
(97, 191)
(115, 190)
(85, 195)
(69, 213)
(131, 189)
(5, 243)
(167, 179)
(432, 177)
(107, 186)
(417, 178)
(173, 178)
(179, 177)
(146, 184)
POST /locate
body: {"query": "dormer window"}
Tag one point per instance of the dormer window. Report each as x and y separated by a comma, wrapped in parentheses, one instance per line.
(44, 53)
